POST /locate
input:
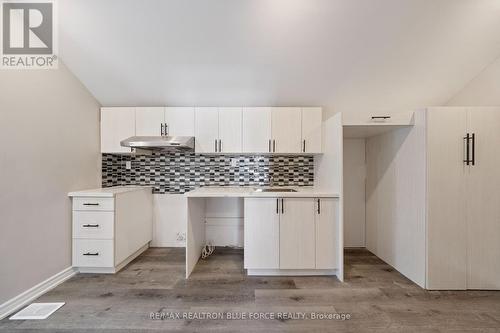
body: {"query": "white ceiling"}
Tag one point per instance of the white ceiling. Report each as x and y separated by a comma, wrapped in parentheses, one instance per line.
(342, 54)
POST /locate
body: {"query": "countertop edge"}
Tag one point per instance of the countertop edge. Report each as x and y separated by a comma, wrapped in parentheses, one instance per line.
(262, 195)
(106, 192)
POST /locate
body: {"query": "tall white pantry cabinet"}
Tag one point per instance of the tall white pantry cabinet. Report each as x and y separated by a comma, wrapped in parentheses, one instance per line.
(463, 198)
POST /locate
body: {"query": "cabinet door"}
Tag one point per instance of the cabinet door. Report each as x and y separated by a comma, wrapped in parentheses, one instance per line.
(297, 234)
(256, 130)
(180, 121)
(311, 130)
(261, 233)
(483, 198)
(148, 120)
(327, 235)
(206, 129)
(117, 124)
(286, 130)
(230, 130)
(446, 197)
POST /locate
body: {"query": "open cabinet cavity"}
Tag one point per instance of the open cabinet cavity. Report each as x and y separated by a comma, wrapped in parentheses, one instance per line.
(212, 221)
(431, 198)
(384, 175)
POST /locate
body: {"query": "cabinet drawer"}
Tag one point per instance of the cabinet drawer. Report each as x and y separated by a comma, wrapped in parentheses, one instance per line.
(93, 253)
(93, 225)
(378, 118)
(90, 203)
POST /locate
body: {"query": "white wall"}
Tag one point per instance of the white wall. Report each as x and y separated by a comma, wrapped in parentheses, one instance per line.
(169, 220)
(49, 130)
(354, 192)
(339, 54)
(224, 221)
(483, 90)
(395, 198)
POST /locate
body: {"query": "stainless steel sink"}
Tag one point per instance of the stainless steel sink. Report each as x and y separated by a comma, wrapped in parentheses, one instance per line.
(274, 189)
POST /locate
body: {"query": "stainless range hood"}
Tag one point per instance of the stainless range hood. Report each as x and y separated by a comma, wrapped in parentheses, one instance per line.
(160, 143)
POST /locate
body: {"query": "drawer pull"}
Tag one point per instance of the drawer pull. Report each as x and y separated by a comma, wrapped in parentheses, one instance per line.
(91, 204)
(381, 117)
(91, 226)
(91, 254)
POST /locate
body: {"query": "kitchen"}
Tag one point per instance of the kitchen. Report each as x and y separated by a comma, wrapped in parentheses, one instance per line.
(251, 165)
(287, 142)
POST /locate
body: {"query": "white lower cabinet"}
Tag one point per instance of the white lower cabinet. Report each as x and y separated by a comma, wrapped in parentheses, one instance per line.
(93, 224)
(109, 232)
(297, 234)
(93, 253)
(291, 234)
(327, 235)
(261, 233)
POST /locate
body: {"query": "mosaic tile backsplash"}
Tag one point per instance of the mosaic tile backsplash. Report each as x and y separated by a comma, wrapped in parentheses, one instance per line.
(181, 172)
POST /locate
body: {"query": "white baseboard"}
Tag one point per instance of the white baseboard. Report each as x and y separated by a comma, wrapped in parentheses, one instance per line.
(29, 295)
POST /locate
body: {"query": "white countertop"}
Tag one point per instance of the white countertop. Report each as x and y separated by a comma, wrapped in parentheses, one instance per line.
(107, 191)
(249, 191)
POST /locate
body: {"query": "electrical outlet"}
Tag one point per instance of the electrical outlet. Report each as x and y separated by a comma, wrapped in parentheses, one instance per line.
(234, 162)
(181, 236)
(128, 165)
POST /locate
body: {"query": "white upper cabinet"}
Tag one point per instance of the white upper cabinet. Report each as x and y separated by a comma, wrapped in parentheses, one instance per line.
(256, 130)
(174, 121)
(229, 130)
(179, 121)
(149, 121)
(206, 130)
(286, 125)
(311, 130)
(282, 130)
(117, 124)
(218, 130)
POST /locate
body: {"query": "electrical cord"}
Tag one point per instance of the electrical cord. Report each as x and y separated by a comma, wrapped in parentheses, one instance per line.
(207, 251)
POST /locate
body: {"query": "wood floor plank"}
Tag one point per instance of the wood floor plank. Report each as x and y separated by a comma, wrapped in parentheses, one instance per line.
(377, 298)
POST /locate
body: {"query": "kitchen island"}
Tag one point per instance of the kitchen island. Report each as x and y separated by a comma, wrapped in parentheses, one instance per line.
(287, 230)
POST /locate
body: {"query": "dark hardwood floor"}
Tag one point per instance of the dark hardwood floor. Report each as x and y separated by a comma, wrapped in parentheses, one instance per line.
(377, 298)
